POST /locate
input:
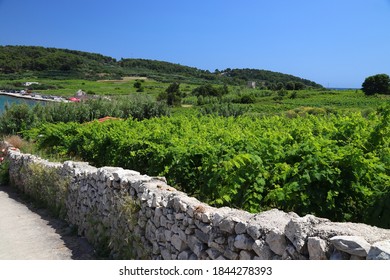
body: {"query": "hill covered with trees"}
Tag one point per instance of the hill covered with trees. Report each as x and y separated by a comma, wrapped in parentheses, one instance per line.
(22, 61)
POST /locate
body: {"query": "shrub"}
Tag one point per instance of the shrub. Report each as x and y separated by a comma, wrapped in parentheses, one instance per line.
(247, 99)
(51, 193)
(333, 166)
(4, 173)
(15, 141)
(376, 84)
(19, 117)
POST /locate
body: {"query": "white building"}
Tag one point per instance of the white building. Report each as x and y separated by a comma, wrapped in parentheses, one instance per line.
(27, 84)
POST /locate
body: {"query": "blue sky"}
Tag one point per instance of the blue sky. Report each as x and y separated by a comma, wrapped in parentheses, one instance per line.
(336, 43)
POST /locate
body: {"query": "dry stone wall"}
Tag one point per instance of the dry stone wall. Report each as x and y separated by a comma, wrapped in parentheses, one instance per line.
(129, 215)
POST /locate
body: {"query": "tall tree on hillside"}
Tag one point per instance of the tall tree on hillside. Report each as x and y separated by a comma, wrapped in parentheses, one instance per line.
(172, 95)
(379, 83)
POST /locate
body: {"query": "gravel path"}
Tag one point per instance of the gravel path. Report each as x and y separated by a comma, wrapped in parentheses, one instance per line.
(27, 233)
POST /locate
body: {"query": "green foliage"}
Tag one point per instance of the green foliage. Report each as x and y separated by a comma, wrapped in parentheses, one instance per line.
(19, 117)
(377, 84)
(23, 61)
(4, 172)
(123, 243)
(224, 109)
(172, 95)
(51, 193)
(55, 63)
(138, 86)
(209, 90)
(334, 166)
(245, 99)
(16, 118)
(271, 80)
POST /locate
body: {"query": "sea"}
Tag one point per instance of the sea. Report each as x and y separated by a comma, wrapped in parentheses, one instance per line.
(5, 99)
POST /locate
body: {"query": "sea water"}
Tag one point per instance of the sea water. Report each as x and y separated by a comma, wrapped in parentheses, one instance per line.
(5, 99)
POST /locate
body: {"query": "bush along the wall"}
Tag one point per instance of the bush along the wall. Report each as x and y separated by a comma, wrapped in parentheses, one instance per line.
(47, 186)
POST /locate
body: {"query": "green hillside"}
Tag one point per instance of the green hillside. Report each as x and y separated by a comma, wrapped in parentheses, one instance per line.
(53, 63)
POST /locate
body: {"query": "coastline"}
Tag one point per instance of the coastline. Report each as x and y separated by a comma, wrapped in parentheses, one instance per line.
(36, 97)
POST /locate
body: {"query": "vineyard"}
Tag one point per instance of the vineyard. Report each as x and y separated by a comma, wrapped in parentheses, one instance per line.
(330, 165)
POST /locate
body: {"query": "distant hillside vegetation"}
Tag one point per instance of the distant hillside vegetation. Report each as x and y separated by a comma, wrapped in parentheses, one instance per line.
(24, 61)
(55, 63)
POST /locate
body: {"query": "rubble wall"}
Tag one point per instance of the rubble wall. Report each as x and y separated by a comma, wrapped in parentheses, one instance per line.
(132, 216)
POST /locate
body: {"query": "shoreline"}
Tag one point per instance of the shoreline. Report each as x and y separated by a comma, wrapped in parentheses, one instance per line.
(38, 97)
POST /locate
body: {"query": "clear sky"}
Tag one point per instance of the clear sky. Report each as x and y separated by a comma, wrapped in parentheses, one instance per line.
(336, 43)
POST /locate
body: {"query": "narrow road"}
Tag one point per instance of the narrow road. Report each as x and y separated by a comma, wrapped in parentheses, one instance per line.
(31, 234)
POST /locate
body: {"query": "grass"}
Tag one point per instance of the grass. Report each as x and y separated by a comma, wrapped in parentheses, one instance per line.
(266, 102)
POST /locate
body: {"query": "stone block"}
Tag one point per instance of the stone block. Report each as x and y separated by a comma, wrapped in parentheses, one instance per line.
(206, 228)
(254, 231)
(213, 253)
(166, 255)
(298, 230)
(317, 248)
(353, 245)
(196, 246)
(276, 240)
(339, 255)
(243, 242)
(227, 225)
(379, 251)
(202, 236)
(262, 250)
(240, 228)
(184, 255)
(168, 235)
(178, 243)
(245, 255)
(230, 255)
(206, 217)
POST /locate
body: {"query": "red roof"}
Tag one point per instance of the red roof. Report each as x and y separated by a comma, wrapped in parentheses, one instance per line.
(74, 99)
(107, 118)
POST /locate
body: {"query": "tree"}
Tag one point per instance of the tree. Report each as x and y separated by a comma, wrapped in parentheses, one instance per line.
(279, 86)
(209, 90)
(290, 85)
(377, 84)
(138, 86)
(172, 95)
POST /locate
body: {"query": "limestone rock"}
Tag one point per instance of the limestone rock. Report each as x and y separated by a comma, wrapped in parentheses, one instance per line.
(227, 225)
(213, 253)
(230, 255)
(196, 246)
(317, 248)
(254, 231)
(298, 229)
(166, 255)
(178, 243)
(291, 253)
(379, 251)
(353, 245)
(206, 217)
(276, 241)
(262, 250)
(240, 228)
(338, 255)
(185, 255)
(202, 236)
(243, 242)
(245, 255)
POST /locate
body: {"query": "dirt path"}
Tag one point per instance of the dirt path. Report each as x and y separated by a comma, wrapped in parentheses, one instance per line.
(31, 234)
